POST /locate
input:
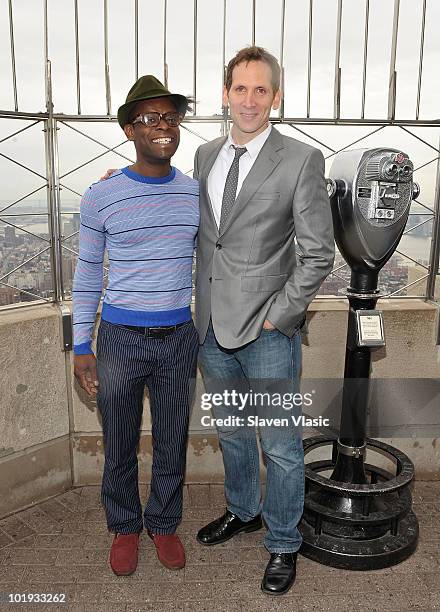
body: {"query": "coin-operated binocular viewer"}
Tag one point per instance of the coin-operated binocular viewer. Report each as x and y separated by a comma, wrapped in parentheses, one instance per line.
(360, 516)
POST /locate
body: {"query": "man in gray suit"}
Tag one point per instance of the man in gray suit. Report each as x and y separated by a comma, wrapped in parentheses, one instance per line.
(260, 192)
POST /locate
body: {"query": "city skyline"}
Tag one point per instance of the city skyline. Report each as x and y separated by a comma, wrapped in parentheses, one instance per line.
(35, 278)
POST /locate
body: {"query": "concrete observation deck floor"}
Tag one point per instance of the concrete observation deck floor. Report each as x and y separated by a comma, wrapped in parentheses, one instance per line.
(61, 546)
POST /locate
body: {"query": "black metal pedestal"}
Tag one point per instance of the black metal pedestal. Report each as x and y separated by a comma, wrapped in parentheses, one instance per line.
(358, 526)
(358, 516)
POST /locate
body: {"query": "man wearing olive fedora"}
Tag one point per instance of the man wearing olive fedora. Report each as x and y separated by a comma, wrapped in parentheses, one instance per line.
(146, 217)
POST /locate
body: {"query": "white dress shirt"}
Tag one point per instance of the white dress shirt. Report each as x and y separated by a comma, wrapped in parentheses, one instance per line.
(220, 169)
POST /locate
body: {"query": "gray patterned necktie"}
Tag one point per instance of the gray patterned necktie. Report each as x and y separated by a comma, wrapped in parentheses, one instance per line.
(230, 190)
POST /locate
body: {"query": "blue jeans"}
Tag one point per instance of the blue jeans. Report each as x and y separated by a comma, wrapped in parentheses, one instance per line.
(271, 365)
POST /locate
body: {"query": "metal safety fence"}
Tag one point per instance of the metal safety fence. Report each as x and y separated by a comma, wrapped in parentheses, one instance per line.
(70, 150)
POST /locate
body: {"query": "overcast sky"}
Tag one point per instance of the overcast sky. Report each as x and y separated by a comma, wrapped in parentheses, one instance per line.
(28, 148)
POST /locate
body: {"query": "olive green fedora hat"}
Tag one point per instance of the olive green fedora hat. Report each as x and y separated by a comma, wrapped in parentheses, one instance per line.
(148, 87)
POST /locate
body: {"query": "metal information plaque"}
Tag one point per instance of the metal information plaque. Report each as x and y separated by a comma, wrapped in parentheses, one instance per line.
(370, 328)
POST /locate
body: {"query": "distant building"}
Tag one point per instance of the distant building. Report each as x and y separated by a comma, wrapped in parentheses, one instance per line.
(72, 226)
(8, 295)
(10, 237)
(68, 271)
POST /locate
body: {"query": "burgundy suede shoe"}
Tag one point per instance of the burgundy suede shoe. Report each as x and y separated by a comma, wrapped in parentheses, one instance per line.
(124, 553)
(170, 551)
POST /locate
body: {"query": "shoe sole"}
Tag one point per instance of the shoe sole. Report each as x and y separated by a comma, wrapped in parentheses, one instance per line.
(174, 568)
(273, 593)
(123, 573)
(242, 530)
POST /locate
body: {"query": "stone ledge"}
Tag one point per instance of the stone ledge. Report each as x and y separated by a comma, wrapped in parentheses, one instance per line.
(29, 476)
(341, 303)
(30, 312)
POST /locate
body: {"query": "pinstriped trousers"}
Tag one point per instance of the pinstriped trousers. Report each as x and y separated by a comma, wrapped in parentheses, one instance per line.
(127, 361)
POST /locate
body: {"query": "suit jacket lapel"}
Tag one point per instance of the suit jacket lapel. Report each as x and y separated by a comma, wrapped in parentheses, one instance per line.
(203, 179)
(266, 162)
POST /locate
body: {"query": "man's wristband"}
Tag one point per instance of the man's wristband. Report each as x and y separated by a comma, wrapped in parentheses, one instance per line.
(83, 349)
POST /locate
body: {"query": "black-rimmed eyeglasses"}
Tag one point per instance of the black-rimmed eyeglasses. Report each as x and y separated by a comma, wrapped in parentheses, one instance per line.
(153, 119)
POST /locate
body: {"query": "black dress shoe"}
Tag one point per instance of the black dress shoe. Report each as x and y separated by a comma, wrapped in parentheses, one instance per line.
(280, 573)
(226, 527)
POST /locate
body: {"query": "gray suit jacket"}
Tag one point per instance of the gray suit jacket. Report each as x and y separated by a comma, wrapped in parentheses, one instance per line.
(250, 271)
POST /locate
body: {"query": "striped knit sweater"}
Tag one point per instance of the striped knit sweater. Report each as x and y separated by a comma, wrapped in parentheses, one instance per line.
(148, 227)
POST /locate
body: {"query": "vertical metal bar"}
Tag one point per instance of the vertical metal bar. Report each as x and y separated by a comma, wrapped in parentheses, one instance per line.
(309, 58)
(253, 21)
(11, 39)
(318, 525)
(48, 88)
(422, 48)
(57, 211)
(334, 451)
(69, 385)
(337, 84)
(165, 65)
(49, 159)
(224, 35)
(435, 240)
(224, 125)
(107, 68)
(195, 57)
(366, 504)
(78, 82)
(47, 65)
(364, 71)
(393, 75)
(53, 193)
(136, 40)
(283, 21)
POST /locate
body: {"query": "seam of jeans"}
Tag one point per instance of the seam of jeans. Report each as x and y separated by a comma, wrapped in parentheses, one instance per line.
(249, 443)
(294, 366)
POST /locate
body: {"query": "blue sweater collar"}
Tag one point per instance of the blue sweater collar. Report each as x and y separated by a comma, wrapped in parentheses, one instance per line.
(149, 179)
